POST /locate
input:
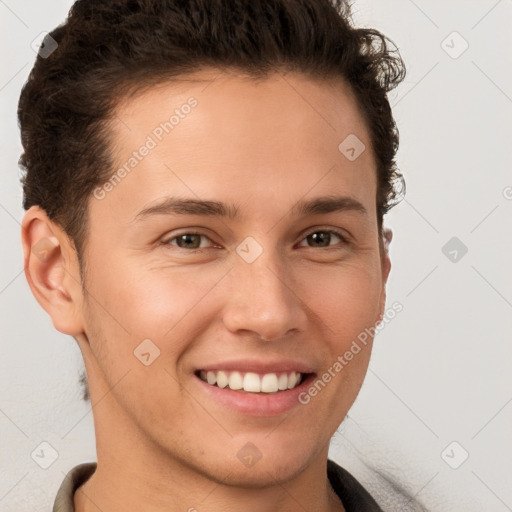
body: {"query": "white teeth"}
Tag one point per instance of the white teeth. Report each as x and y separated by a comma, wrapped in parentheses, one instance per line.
(269, 383)
(252, 382)
(235, 381)
(282, 383)
(222, 379)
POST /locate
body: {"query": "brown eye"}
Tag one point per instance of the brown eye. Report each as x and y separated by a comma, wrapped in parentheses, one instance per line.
(323, 238)
(191, 241)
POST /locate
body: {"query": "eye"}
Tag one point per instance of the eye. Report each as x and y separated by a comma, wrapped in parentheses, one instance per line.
(323, 237)
(189, 240)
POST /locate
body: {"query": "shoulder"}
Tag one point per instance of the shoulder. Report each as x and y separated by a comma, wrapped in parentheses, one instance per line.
(73, 480)
(354, 496)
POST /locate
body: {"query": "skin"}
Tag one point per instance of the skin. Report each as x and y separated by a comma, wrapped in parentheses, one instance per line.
(162, 444)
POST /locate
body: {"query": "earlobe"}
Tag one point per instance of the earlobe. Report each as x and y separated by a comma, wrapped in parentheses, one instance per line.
(51, 270)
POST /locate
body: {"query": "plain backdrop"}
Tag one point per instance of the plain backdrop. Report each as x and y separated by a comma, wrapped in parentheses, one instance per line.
(434, 415)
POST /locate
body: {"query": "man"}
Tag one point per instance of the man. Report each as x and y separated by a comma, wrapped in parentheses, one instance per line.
(205, 189)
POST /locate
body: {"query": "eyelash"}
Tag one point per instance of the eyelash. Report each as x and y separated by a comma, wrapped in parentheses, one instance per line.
(168, 241)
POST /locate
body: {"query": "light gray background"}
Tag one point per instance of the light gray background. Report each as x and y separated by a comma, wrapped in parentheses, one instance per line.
(440, 370)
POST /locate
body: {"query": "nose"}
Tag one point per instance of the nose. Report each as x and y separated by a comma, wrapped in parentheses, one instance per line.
(263, 300)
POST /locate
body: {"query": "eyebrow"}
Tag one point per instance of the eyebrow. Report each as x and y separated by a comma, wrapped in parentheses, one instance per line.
(209, 208)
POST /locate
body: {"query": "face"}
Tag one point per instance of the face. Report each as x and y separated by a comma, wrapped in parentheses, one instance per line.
(267, 278)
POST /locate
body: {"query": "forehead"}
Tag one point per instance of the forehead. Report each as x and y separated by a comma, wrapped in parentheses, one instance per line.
(226, 135)
(232, 100)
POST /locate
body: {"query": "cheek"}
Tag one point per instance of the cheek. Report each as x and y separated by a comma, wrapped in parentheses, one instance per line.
(346, 299)
(345, 302)
(133, 302)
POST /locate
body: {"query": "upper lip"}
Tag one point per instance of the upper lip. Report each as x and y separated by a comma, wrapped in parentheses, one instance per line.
(259, 366)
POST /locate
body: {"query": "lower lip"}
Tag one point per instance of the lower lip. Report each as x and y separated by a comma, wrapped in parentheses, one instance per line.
(257, 404)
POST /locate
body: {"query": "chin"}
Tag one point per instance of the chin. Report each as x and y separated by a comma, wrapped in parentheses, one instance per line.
(254, 469)
(261, 475)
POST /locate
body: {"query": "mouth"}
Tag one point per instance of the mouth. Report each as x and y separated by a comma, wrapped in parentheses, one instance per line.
(252, 382)
(255, 388)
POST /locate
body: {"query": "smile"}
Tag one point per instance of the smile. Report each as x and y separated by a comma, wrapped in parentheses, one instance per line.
(252, 382)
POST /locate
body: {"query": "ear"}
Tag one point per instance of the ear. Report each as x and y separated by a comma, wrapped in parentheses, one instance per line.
(387, 236)
(52, 270)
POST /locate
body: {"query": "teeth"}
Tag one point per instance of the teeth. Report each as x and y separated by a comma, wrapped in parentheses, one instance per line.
(282, 382)
(269, 383)
(292, 380)
(222, 379)
(235, 381)
(252, 382)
